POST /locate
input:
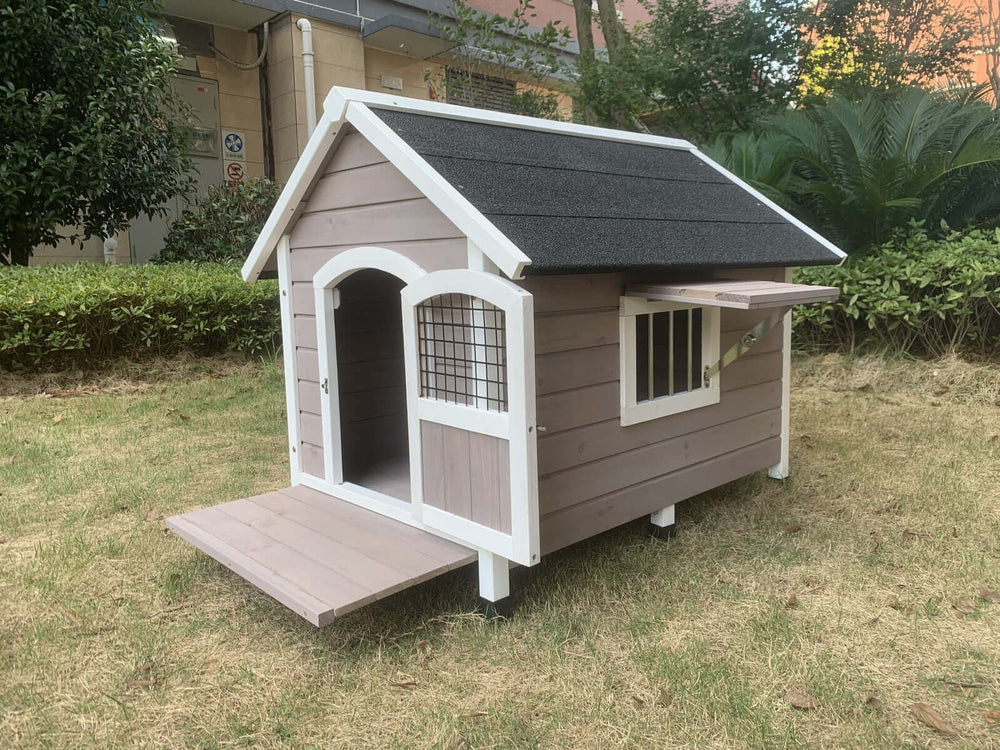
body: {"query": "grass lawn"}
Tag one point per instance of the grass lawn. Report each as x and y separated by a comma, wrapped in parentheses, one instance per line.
(865, 584)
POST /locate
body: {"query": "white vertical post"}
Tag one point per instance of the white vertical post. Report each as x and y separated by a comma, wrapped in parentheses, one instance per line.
(663, 517)
(780, 469)
(494, 576)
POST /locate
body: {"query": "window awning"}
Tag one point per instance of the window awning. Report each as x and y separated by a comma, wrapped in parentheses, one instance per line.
(742, 295)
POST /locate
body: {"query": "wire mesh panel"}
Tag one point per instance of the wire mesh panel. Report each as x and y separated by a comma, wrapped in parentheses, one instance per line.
(463, 351)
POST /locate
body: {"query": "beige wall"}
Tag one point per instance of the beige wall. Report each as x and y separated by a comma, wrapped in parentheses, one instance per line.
(339, 61)
(239, 92)
(71, 252)
(413, 72)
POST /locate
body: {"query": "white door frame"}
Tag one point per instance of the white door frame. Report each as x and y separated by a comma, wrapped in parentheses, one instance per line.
(324, 282)
(516, 425)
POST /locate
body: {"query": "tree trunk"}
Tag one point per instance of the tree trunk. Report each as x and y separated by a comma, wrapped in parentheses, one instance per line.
(584, 30)
(614, 34)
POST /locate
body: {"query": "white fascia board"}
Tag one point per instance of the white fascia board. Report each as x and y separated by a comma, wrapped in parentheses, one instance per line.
(455, 206)
(772, 205)
(338, 95)
(315, 152)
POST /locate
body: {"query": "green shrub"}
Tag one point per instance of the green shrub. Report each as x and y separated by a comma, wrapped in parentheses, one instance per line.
(81, 314)
(913, 294)
(224, 226)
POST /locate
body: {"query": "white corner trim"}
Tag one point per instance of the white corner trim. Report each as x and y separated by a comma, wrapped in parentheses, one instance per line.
(312, 158)
(338, 95)
(494, 243)
(781, 469)
(772, 205)
(288, 355)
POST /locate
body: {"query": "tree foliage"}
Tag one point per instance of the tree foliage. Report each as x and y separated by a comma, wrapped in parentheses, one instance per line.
(88, 126)
(698, 68)
(858, 170)
(885, 44)
(495, 48)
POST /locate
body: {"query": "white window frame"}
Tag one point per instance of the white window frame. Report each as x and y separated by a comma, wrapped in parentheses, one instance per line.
(634, 411)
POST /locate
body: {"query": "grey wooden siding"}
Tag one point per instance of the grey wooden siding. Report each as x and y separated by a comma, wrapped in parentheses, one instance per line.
(370, 375)
(595, 474)
(467, 474)
(359, 200)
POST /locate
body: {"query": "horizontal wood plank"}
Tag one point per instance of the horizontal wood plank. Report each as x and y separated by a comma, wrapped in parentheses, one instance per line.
(745, 295)
(316, 554)
(578, 522)
(416, 219)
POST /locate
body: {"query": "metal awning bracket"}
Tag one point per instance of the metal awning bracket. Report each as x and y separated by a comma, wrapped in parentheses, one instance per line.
(745, 343)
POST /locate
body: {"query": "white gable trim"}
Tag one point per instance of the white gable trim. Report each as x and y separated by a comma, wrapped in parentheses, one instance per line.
(494, 243)
(338, 96)
(772, 205)
(315, 153)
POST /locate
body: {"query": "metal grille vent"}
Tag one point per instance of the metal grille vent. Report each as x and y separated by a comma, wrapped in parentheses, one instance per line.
(668, 353)
(463, 351)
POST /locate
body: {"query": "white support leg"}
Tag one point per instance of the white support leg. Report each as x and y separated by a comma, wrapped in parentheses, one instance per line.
(661, 523)
(780, 469)
(494, 585)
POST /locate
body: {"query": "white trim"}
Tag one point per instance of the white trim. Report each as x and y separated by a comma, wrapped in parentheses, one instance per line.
(363, 258)
(517, 425)
(780, 470)
(772, 205)
(463, 417)
(312, 158)
(494, 576)
(326, 346)
(326, 294)
(288, 356)
(468, 533)
(339, 95)
(455, 206)
(634, 411)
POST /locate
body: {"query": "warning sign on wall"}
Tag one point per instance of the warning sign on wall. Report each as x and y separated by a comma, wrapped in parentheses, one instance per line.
(234, 146)
(235, 171)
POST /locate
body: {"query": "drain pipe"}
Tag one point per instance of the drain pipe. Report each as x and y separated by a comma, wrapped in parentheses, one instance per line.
(110, 249)
(307, 70)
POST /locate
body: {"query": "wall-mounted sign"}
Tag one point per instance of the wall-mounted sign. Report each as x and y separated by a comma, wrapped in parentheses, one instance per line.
(235, 171)
(234, 146)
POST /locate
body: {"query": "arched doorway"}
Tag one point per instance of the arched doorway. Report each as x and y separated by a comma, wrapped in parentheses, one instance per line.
(371, 383)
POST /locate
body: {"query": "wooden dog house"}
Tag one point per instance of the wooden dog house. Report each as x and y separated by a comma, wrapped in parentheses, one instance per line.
(503, 335)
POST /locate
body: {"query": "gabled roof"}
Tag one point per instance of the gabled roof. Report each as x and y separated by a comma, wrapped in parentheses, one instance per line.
(548, 197)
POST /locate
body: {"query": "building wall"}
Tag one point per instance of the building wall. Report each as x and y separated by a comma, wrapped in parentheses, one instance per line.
(361, 199)
(595, 474)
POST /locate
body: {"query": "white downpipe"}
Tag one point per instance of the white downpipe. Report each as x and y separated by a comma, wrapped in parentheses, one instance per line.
(111, 250)
(308, 75)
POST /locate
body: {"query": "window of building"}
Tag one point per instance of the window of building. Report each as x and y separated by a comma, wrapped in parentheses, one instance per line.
(463, 351)
(482, 91)
(666, 349)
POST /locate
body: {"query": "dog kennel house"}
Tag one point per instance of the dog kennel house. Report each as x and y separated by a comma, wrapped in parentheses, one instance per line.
(503, 335)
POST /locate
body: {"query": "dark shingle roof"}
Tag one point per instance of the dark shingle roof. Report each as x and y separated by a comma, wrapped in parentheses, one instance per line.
(575, 204)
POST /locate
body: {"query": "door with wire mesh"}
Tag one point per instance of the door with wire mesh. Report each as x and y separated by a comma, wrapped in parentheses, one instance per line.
(470, 392)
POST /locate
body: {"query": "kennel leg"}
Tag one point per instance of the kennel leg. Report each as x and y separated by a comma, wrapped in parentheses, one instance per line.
(494, 586)
(661, 524)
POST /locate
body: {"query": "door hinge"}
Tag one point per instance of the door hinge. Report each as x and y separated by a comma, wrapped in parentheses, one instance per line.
(326, 386)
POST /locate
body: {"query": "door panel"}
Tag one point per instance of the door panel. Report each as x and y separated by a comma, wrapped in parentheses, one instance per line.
(468, 345)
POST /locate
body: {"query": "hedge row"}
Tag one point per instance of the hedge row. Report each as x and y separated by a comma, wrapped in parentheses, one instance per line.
(914, 295)
(81, 314)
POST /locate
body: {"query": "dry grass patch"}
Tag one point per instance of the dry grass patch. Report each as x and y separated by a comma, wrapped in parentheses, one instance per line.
(813, 612)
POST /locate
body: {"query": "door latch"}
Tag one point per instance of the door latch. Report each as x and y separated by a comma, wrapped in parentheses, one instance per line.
(326, 386)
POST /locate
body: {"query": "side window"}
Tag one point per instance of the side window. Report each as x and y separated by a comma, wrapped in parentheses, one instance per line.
(463, 351)
(666, 348)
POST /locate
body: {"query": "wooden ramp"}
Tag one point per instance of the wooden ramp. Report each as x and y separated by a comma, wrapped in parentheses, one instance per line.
(316, 554)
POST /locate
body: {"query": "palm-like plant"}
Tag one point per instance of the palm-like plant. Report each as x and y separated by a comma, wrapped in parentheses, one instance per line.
(856, 171)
